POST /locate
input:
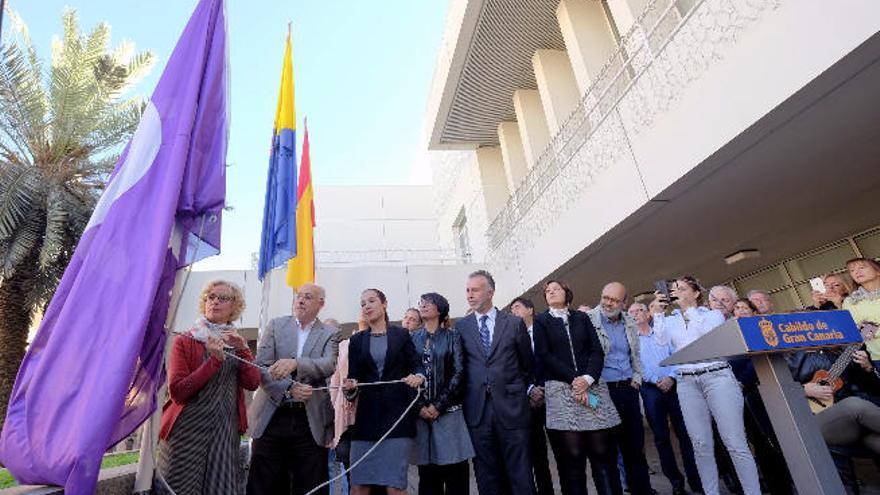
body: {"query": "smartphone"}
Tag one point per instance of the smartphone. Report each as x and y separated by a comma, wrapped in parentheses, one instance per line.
(662, 286)
(818, 284)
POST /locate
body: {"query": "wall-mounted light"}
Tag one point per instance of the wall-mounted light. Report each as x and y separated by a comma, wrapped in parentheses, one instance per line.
(741, 255)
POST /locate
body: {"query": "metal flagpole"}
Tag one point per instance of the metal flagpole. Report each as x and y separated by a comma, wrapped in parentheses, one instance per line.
(143, 481)
(2, 11)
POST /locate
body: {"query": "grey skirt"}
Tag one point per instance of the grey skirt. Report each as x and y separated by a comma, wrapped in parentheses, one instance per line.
(385, 466)
(566, 414)
(441, 442)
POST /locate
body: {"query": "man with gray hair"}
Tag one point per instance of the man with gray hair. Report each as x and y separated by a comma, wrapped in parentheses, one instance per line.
(722, 298)
(500, 364)
(761, 299)
(289, 421)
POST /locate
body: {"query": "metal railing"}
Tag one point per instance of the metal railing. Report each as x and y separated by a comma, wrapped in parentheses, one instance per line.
(388, 256)
(637, 52)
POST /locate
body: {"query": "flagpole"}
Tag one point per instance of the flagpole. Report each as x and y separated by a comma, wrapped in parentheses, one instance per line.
(143, 480)
(2, 9)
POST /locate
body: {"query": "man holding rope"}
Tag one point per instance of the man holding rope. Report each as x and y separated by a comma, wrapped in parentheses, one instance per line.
(291, 423)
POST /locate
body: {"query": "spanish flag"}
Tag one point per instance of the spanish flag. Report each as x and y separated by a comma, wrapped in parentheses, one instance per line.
(278, 242)
(301, 269)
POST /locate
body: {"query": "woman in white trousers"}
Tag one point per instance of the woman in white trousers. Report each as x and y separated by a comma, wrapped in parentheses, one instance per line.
(706, 390)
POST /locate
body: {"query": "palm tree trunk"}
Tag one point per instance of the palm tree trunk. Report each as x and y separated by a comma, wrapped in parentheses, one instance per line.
(15, 321)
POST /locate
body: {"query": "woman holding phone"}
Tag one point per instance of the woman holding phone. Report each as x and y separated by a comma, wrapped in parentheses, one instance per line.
(580, 414)
(707, 391)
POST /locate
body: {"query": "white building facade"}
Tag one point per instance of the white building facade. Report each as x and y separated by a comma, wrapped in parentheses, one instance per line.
(384, 237)
(637, 140)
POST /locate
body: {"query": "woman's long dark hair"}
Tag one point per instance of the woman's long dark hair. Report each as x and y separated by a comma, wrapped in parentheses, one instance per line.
(381, 296)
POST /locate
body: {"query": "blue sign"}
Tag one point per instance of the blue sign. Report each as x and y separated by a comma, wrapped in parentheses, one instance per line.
(799, 330)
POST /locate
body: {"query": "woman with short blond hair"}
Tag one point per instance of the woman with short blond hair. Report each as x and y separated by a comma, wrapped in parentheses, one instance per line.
(204, 416)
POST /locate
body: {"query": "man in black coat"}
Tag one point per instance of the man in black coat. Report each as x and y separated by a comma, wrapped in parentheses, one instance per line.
(500, 375)
(525, 309)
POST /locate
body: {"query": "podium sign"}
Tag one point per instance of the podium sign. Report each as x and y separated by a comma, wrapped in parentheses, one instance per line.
(745, 337)
(765, 339)
(798, 330)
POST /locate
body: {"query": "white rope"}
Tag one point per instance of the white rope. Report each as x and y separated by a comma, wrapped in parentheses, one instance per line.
(264, 368)
(366, 384)
(375, 445)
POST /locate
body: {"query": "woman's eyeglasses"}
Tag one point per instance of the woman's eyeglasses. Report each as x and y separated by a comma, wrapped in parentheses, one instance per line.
(218, 298)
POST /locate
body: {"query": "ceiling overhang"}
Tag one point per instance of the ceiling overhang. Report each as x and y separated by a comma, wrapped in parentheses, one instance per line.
(486, 55)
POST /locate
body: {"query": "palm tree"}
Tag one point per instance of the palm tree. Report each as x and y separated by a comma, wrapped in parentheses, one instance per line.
(61, 130)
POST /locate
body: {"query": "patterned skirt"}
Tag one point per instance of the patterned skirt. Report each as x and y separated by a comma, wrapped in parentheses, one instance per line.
(201, 454)
(566, 414)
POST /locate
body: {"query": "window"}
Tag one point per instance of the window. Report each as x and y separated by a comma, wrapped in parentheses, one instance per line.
(869, 243)
(460, 236)
(788, 282)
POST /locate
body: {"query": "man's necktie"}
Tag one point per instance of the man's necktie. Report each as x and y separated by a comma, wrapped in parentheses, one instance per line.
(484, 335)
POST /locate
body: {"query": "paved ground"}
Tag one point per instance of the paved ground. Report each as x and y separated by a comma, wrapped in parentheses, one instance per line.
(868, 473)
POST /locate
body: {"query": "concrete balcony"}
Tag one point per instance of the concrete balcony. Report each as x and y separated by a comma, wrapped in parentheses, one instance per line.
(676, 119)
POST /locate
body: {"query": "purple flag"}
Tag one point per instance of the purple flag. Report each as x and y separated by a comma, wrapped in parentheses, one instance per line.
(91, 374)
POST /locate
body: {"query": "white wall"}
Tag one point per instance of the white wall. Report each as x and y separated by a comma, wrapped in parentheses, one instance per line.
(364, 224)
(401, 284)
(457, 186)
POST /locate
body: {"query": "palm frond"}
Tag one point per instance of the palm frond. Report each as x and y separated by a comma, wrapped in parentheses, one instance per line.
(22, 243)
(19, 192)
(129, 72)
(117, 123)
(96, 44)
(22, 97)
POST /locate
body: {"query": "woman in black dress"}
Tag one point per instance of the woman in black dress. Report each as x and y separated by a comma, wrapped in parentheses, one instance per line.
(381, 353)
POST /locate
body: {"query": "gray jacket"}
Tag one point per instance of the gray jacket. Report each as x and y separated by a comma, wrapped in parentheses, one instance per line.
(314, 367)
(632, 337)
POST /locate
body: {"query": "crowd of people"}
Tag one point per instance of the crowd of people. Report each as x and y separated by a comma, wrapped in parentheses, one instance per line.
(491, 388)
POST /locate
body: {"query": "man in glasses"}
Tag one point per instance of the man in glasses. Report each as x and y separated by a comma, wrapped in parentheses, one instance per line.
(622, 372)
(289, 421)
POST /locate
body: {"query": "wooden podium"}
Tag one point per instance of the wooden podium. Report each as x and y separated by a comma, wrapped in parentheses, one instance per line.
(765, 339)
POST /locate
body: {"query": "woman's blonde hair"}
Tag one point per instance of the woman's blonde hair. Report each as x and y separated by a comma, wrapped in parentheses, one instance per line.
(237, 298)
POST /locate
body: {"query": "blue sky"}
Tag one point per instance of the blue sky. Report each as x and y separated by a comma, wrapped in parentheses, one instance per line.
(363, 69)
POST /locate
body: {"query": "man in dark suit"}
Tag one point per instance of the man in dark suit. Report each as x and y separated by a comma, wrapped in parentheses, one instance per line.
(525, 309)
(500, 375)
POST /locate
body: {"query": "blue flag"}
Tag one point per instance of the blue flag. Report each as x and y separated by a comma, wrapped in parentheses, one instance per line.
(278, 242)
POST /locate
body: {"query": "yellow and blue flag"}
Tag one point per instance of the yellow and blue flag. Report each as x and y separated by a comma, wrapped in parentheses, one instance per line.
(301, 269)
(278, 242)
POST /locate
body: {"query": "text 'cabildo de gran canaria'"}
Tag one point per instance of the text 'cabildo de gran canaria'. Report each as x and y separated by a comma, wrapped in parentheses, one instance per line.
(803, 331)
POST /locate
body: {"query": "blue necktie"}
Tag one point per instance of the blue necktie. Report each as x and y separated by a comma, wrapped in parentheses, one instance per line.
(484, 335)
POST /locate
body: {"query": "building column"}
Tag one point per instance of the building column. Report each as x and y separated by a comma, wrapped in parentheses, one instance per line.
(556, 86)
(532, 123)
(513, 154)
(625, 13)
(589, 38)
(492, 179)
